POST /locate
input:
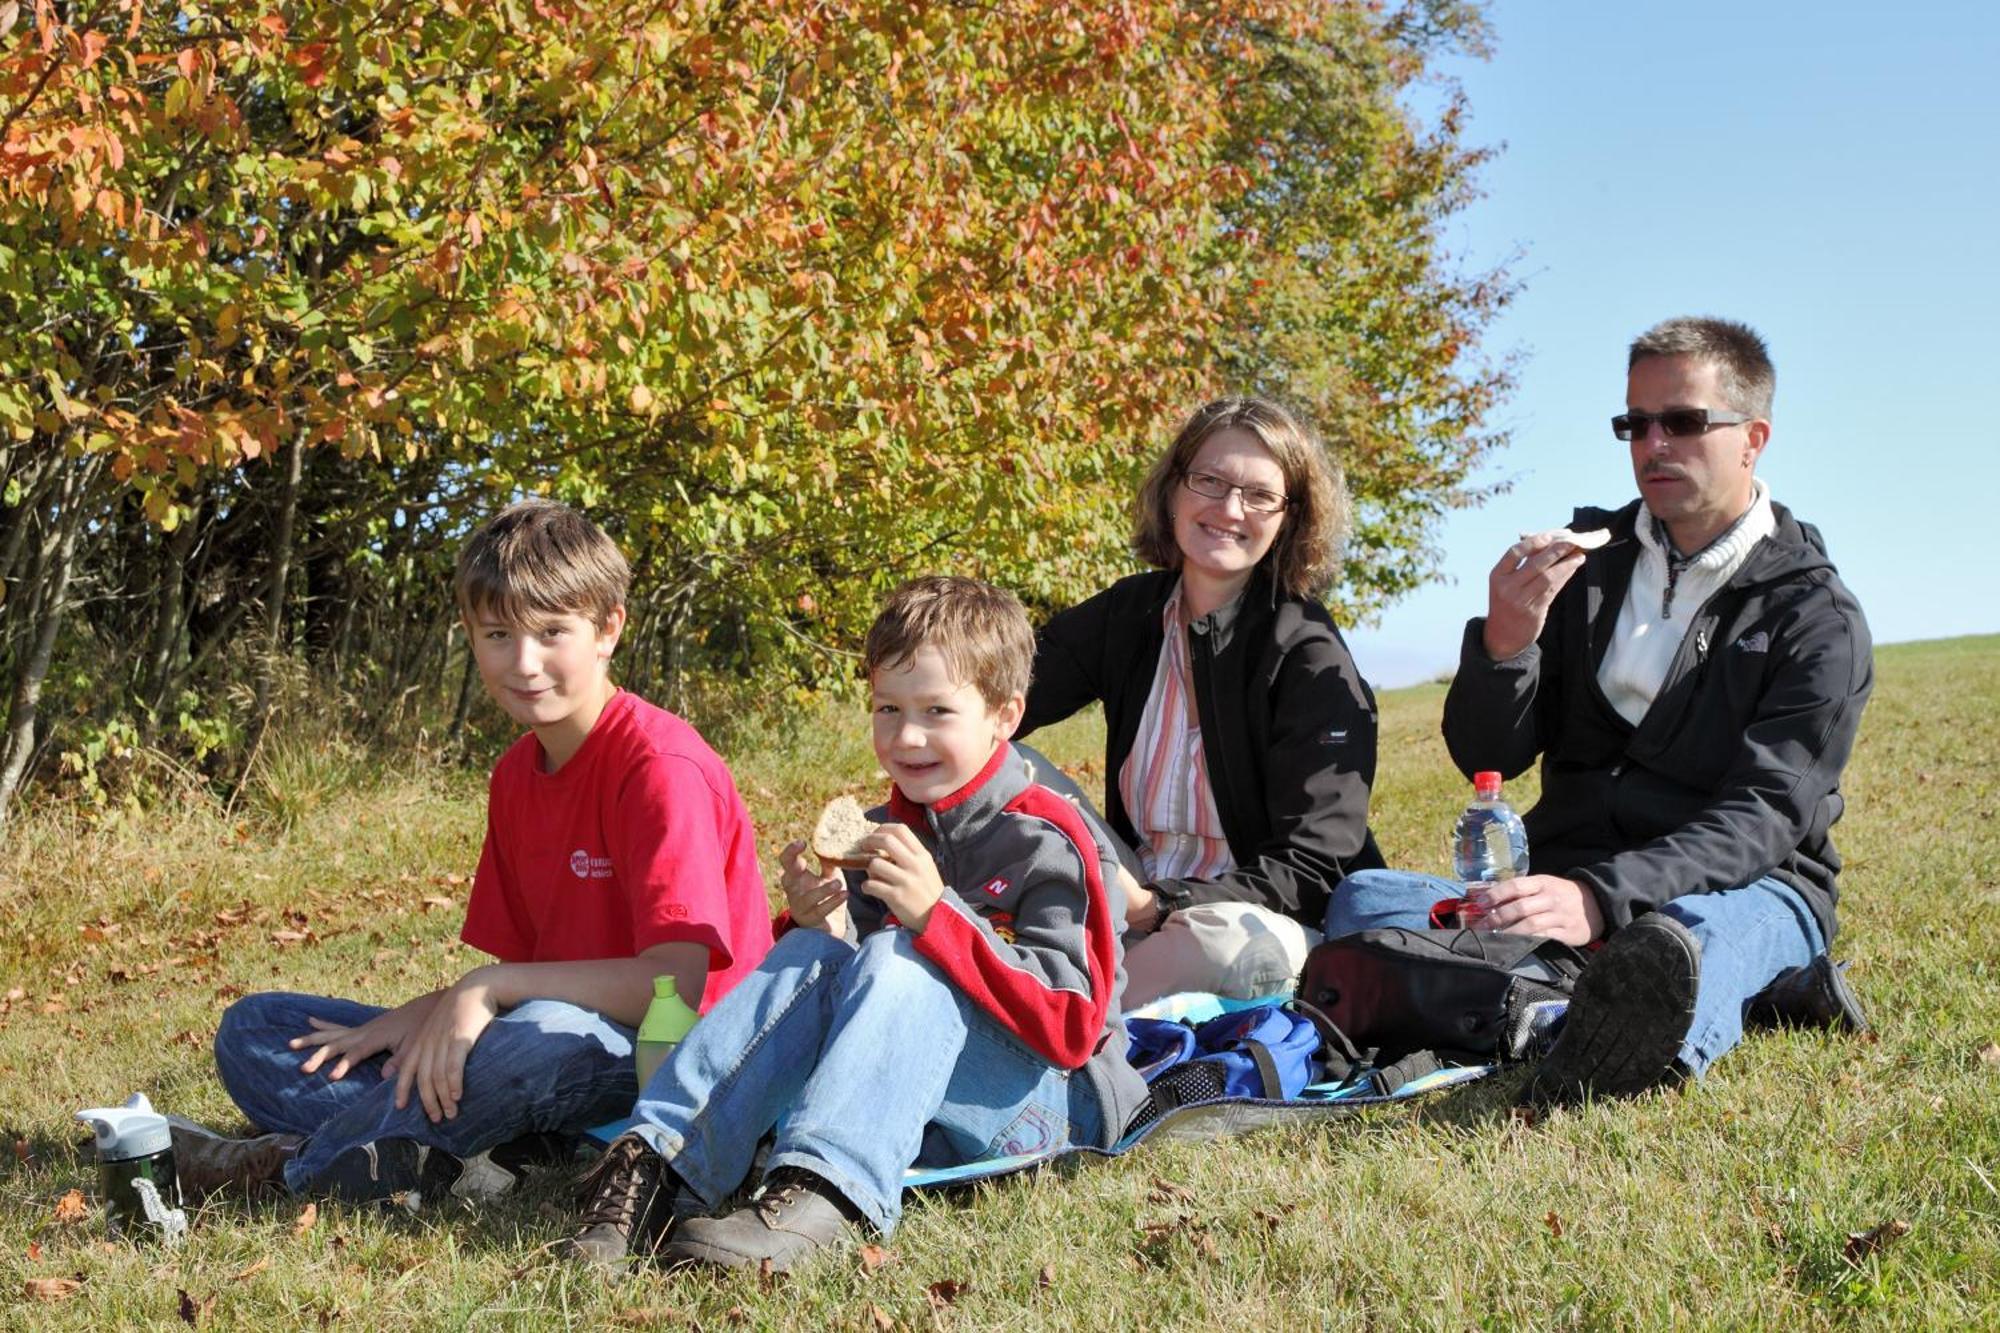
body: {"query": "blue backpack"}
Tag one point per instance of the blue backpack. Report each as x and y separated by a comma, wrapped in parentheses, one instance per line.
(1267, 1052)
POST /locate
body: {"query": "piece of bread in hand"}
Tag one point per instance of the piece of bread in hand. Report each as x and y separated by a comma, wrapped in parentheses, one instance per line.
(841, 827)
(1582, 541)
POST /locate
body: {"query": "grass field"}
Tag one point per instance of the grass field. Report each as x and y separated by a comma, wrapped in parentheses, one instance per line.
(1809, 1181)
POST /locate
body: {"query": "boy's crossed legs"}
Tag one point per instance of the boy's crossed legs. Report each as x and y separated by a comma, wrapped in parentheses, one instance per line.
(541, 1067)
(861, 1062)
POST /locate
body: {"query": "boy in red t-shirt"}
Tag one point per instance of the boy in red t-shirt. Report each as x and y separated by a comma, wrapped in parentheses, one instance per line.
(617, 850)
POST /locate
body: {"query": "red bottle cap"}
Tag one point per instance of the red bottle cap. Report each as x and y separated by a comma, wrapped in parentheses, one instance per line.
(1487, 784)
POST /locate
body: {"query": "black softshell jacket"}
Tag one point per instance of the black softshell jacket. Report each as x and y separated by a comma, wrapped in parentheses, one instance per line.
(1287, 727)
(1733, 773)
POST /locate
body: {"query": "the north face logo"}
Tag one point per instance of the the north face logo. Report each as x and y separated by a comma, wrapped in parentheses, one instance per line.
(1760, 642)
(996, 888)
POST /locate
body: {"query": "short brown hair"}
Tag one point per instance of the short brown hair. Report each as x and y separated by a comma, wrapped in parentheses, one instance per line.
(981, 631)
(1305, 558)
(1747, 377)
(540, 558)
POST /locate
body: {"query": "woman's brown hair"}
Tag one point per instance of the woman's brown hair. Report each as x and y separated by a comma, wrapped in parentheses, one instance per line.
(1305, 558)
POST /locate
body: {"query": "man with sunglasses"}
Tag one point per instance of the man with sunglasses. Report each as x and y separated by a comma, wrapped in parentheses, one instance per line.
(1692, 687)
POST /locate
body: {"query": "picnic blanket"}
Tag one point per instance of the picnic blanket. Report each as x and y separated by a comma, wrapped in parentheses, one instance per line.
(1216, 1118)
(1195, 1120)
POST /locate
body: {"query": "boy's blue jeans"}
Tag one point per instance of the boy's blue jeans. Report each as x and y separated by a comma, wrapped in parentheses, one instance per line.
(862, 1062)
(1748, 936)
(541, 1066)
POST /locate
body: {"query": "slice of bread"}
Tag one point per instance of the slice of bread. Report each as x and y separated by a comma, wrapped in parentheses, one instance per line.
(1582, 541)
(842, 825)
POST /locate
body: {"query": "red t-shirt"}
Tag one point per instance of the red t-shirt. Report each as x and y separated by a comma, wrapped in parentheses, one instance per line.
(640, 839)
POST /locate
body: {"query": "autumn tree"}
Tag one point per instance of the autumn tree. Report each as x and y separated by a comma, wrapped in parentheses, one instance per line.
(798, 298)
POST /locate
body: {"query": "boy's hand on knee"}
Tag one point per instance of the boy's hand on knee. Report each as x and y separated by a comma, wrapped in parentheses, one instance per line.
(349, 1046)
(815, 900)
(902, 874)
(433, 1063)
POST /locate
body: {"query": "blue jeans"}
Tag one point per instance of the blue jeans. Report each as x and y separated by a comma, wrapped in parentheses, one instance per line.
(862, 1062)
(1748, 936)
(541, 1066)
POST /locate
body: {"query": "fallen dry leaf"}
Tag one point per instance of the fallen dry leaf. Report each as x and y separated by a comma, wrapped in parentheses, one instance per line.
(22, 1152)
(1861, 1244)
(52, 1288)
(192, 1311)
(71, 1209)
(1165, 1191)
(1047, 1277)
(34, 1251)
(873, 1257)
(884, 1322)
(1553, 1223)
(1989, 1054)
(303, 1223)
(946, 1290)
(252, 1270)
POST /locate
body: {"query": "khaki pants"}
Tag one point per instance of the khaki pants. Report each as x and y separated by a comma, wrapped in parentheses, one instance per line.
(1233, 949)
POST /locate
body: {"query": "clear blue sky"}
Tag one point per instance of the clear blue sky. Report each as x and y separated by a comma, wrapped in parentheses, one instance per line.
(1824, 172)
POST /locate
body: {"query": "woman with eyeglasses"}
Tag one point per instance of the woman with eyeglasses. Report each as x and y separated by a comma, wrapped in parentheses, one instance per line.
(1240, 738)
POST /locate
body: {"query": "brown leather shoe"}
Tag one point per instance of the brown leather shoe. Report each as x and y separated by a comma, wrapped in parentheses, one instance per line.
(794, 1216)
(205, 1161)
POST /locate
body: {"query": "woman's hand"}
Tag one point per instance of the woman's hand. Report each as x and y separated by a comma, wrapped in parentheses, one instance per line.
(817, 901)
(1142, 905)
(902, 874)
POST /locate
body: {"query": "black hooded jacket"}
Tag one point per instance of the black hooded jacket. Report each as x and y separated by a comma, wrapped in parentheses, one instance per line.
(1733, 773)
(1287, 728)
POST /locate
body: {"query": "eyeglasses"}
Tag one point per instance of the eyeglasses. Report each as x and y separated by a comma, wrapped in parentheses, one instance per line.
(1256, 499)
(1676, 422)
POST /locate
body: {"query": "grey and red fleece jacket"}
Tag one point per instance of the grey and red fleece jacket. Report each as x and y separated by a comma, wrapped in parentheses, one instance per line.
(1025, 927)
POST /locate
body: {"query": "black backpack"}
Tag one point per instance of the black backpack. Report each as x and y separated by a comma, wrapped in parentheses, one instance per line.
(1404, 1002)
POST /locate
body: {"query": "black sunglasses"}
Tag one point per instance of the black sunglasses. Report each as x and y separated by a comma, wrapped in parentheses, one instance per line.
(1676, 422)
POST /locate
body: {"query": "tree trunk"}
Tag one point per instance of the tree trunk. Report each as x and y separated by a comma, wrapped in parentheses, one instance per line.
(274, 605)
(33, 666)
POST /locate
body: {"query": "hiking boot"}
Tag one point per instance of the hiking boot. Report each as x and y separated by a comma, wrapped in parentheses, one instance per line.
(1631, 1010)
(792, 1217)
(1814, 996)
(206, 1162)
(628, 1199)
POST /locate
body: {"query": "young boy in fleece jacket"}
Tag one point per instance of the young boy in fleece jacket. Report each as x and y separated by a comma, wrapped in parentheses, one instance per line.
(977, 1015)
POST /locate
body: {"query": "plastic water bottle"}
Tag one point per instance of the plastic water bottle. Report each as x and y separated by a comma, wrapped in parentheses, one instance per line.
(135, 1155)
(667, 1020)
(1489, 845)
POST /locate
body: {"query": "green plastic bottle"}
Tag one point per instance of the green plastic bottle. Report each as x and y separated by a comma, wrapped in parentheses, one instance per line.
(667, 1020)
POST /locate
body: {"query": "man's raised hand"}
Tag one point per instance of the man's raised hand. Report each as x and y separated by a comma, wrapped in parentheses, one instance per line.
(1521, 589)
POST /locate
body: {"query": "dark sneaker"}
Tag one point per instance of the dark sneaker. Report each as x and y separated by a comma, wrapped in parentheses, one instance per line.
(1817, 995)
(486, 1176)
(792, 1217)
(206, 1162)
(381, 1171)
(1630, 1012)
(628, 1205)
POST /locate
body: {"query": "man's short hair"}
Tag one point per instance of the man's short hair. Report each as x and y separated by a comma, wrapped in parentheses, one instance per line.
(1748, 379)
(1305, 558)
(981, 631)
(539, 557)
